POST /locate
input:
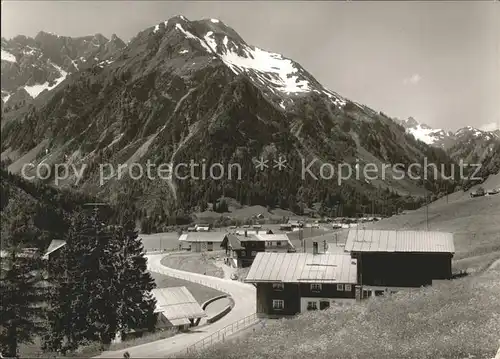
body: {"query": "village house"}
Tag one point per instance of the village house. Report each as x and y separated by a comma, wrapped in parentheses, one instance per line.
(292, 283)
(389, 261)
(276, 242)
(201, 241)
(250, 232)
(204, 227)
(176, 308)
(295, 224)
(285, 227)
(241, 251)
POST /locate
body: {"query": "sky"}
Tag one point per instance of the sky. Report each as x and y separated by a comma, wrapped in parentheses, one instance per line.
(438, 62)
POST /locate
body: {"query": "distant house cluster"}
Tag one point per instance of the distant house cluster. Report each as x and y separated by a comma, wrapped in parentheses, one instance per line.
(372, 262)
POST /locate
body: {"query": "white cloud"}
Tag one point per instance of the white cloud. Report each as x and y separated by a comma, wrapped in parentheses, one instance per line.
(490, 126)
(412, 80)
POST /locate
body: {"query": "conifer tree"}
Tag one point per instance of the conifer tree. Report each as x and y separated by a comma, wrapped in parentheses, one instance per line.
(82, 306)
(133, 285)
(103, 287)
(21, 285)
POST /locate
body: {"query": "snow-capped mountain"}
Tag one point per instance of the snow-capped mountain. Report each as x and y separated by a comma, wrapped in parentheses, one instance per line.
(467, 144)
(425, 133)
(446, 139)
(183, 91)
(33, 65)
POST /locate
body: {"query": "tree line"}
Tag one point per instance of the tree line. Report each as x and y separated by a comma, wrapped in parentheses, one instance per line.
(94, 288)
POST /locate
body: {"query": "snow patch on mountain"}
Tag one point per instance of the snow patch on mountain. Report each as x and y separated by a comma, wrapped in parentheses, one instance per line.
(211, 41)
(37, 89)
(274, 69)
(157, 27)
(7, 56)
(424, 134)
(191, 36)
(470, 130)
(215, 21)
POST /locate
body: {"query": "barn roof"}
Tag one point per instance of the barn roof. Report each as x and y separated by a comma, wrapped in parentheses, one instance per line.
(302, 267)
(203, 237)
(370, 240)
(177, 303)
(54, 246)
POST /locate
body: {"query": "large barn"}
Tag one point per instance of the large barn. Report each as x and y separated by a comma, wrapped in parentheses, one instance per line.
(400, 259)
(291, 283)
(202, 241)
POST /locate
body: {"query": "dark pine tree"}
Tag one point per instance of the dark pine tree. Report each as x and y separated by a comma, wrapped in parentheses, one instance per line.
(103, 287)
(82, 306)
(135, 307)
(21, 286)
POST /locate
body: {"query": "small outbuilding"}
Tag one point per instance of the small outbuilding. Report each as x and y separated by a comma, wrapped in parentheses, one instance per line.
(176, 308)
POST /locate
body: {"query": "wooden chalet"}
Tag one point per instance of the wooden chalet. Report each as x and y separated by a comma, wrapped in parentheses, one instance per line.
(291, 283)
(241, 251)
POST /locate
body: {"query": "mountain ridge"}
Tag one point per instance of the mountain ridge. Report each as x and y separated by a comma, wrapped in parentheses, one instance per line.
(190, 90)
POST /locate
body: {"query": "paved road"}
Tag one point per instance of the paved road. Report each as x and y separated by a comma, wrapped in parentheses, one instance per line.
(243, 295)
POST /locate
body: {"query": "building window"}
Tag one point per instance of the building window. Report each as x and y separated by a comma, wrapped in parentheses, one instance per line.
(278, 286)
(243, 253)
(210, 243)
(278, 243)
(312, 306)
(278, 304)
(340, 287)
(254, 253)
(316, 287)
(348, 288)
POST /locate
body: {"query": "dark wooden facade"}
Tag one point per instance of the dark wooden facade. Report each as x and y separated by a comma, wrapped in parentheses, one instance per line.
(402, 269)
(294, 295)
(243, 250)
(249, 250)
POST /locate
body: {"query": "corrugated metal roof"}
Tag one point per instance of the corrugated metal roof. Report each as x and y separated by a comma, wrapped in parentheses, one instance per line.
(203, 237)
(370, 240)
(177, 303)
(302, 267)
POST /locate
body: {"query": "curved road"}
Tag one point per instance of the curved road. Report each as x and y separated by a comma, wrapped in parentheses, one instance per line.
(244, 299)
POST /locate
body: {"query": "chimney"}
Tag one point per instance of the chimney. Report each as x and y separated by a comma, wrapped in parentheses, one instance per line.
(315, 247)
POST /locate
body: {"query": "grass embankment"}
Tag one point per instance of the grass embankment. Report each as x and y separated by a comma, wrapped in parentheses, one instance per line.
(201, 263)
(451, 320)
